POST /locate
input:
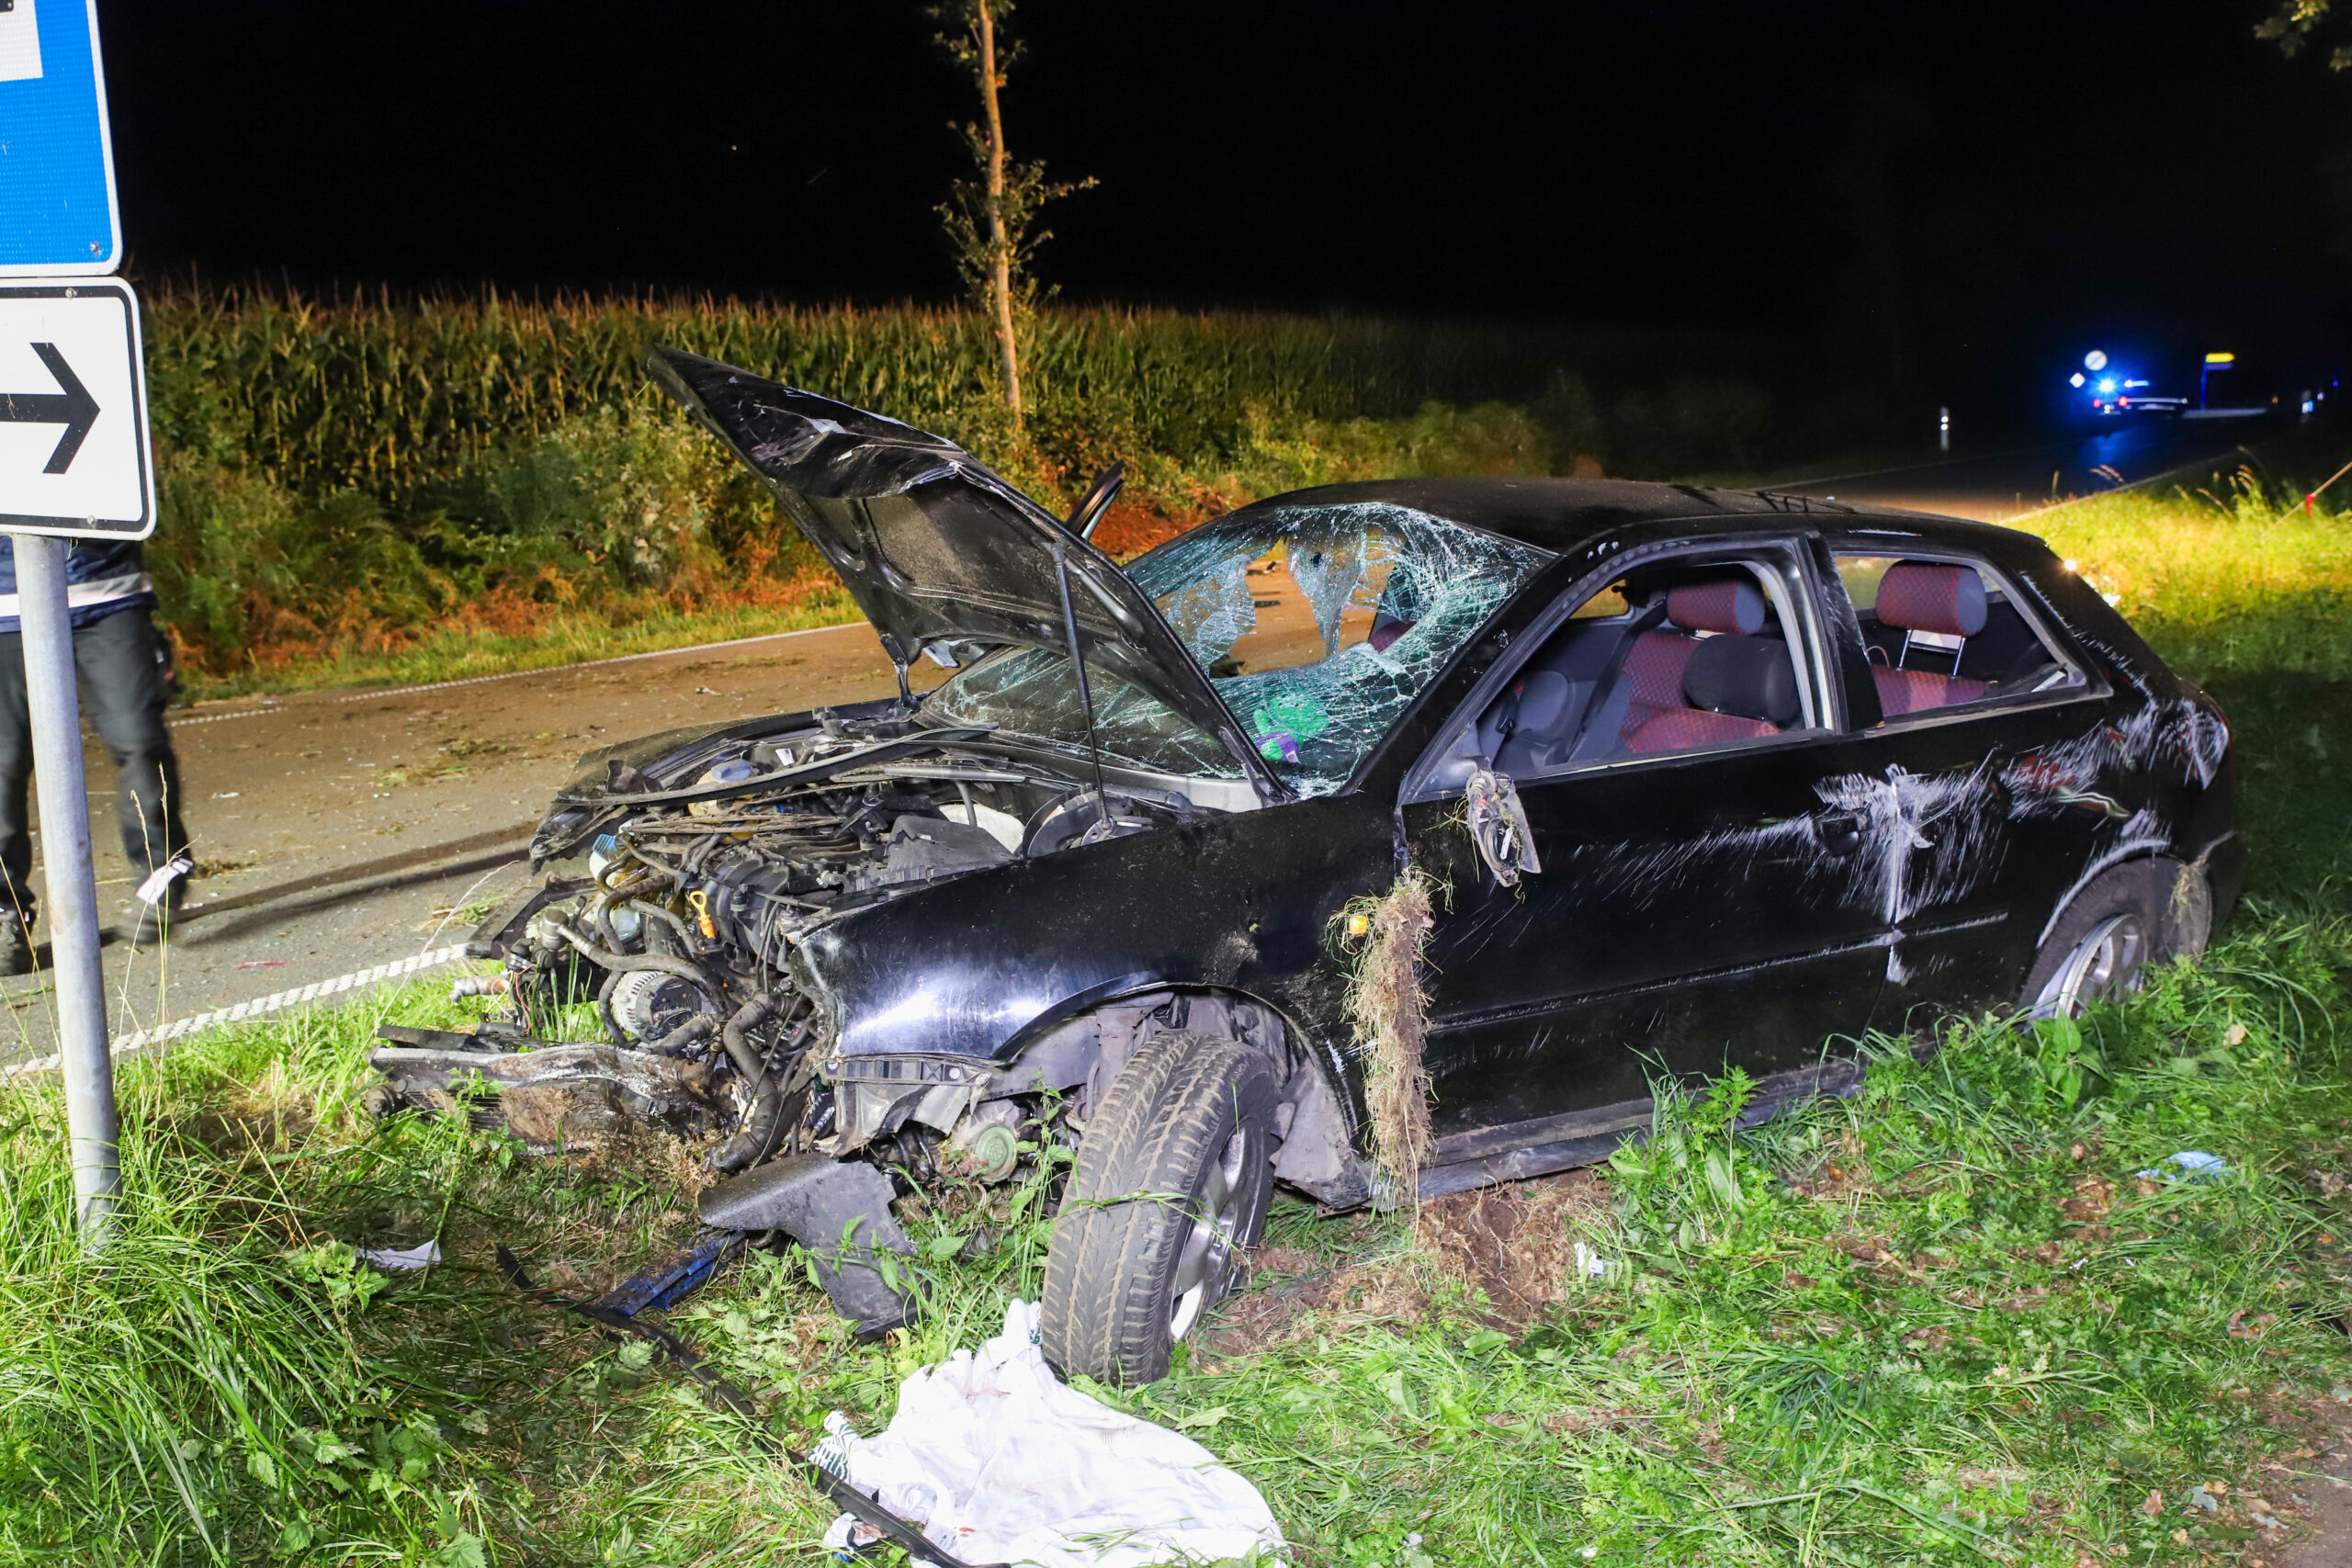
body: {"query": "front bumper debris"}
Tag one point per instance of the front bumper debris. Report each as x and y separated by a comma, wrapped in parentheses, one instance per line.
(841, 1212)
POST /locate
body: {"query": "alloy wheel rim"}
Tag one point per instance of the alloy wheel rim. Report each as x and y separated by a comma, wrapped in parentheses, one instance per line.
(1208, 1250)
(2104, 964)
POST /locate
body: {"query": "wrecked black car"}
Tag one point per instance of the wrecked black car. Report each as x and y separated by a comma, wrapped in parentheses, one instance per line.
(1702, 778)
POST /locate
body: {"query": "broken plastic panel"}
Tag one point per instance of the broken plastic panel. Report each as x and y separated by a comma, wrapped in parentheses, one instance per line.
(1318, 623)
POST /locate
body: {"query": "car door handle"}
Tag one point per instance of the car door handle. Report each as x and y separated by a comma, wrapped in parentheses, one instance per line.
(1840, 832)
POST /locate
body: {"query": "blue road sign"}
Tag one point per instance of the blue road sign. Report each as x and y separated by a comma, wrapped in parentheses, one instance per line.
(57, 207)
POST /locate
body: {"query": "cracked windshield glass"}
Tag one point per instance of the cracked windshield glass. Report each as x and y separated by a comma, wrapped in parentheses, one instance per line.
(1315, 624)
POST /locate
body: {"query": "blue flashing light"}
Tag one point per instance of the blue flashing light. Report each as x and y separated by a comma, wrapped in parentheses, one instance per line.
(2107, 383)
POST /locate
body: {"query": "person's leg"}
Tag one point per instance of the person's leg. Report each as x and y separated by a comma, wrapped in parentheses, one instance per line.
(125, 669)
(16, 892)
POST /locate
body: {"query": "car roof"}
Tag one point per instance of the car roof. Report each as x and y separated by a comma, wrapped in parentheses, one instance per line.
(1559, 515)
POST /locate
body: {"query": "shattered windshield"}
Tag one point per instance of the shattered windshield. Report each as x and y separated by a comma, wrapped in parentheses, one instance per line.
(1029, 691)
(1316, 624)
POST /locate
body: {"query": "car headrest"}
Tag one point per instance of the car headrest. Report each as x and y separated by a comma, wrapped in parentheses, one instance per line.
(1750, 676)
(1928, 597)
(1729, 605)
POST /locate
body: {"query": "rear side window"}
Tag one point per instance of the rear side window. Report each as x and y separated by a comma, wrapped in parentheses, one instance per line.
(1944, 632)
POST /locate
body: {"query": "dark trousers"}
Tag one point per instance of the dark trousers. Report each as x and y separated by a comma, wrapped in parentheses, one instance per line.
(125, 669)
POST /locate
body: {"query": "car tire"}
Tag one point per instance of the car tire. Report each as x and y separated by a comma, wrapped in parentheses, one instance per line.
(1174, 1174)
(2119, 923)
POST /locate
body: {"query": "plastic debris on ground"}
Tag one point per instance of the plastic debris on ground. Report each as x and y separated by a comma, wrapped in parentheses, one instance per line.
(404, 1260)
(2189, 1165)
(998, 1461)
(666, 1283)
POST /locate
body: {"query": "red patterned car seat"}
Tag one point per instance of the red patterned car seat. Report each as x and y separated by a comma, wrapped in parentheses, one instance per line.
(1928, 597)
(1654, 665)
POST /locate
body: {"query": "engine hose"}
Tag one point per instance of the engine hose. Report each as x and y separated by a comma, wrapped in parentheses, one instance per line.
(622, 963)
(599, 920)
(695, 1031)
(599, 912)
(656, 912)
(763, 1122)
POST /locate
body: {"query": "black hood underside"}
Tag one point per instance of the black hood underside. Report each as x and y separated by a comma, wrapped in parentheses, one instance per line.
(937, 548)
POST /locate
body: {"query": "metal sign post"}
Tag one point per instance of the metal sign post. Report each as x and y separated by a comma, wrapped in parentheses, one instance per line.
(72, 885)
(74, 464)
(2217, 361)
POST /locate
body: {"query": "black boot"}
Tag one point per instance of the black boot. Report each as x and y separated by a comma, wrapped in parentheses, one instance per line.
(16, 944)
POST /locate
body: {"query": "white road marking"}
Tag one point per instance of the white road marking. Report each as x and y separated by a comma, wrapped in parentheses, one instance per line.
(176, 721)
(261, 1006)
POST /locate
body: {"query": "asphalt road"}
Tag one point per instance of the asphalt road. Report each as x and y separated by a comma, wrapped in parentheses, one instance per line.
(2001, 486)
(337, 831)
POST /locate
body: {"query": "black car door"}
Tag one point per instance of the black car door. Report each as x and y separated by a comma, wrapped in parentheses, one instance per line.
(1965, 773)
(1702, 901)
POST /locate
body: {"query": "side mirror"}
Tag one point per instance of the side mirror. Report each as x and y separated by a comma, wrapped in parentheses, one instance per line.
(1499, 827)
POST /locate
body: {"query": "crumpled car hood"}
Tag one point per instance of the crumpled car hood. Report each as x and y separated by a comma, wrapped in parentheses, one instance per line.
(936, 546)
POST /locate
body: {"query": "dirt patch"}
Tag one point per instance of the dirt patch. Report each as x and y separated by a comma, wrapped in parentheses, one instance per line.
(1286, 1284)
(1841, 1174)
(1516, 1245)
(1129, 529)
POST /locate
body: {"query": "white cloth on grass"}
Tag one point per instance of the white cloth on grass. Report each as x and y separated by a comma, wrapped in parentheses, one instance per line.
(408, 1259)
(998, 1461)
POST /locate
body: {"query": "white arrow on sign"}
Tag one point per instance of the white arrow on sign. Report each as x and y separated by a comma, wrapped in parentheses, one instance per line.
(74, 453)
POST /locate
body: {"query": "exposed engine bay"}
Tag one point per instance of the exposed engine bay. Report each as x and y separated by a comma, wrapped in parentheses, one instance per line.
(703, 879)
(677, 895)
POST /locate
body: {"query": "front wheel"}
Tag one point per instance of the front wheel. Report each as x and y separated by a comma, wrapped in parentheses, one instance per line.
(1174, 1175)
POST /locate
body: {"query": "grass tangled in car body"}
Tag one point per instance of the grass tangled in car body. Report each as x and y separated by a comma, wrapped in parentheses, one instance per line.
(1391, 1020)
(1939, 1320)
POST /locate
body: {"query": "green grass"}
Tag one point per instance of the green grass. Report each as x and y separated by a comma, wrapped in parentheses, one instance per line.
(2243, 591)
(1872, 1331)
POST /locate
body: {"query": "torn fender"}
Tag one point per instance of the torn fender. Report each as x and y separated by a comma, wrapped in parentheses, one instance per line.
(975, 968)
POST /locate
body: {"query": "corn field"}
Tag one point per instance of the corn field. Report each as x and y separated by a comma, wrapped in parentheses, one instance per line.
(358, 473)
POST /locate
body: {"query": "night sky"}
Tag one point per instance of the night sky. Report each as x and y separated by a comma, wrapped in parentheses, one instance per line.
(1955, 199)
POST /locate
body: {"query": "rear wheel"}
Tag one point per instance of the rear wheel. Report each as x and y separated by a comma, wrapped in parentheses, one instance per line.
(1173, 1178)
(2124, 919)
